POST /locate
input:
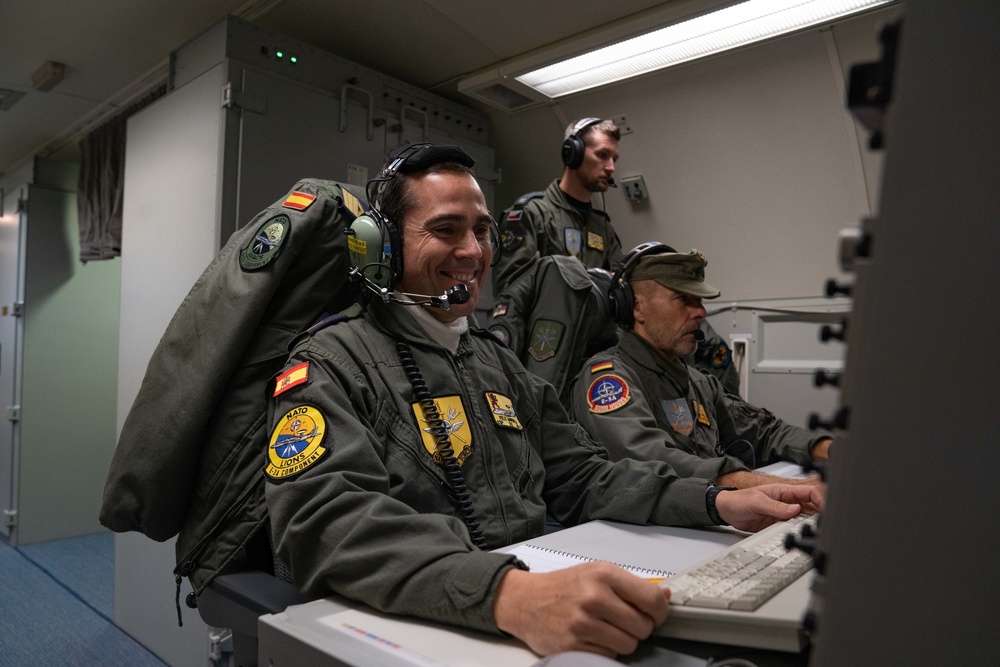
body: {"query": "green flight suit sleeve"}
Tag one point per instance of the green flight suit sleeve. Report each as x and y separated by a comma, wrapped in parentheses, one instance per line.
(331, 522)
(632, 432)
(772, 439)
(522, 244)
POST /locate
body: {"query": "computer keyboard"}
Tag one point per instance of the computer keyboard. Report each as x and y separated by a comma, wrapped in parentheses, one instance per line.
(745, 575)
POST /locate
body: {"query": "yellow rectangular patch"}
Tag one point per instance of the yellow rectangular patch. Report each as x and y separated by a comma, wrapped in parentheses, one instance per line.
(605, 366)
(456, 426)
(351, 203)
(299, 201)
(502, 411)
(595, 241)
(293, 377)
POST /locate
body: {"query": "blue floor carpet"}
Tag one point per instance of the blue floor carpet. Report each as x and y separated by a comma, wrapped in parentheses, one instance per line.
(56, 603)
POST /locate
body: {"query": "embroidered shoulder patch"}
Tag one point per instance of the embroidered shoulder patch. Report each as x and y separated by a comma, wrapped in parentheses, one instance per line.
(595, 241)
(678, 415)
(455, 424)
(299, 201)
(265, 244)
(603, 366)
(721, 356)
(293, 377)
(608, 393)
(502, 411)
(573, 239)
(545, 337)
(512, 236)
(296, 442)
(500, 310)
(515, 215)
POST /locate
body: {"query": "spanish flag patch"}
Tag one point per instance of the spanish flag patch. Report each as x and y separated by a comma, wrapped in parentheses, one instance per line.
(293, 377)
(300, 201)
(603, 366)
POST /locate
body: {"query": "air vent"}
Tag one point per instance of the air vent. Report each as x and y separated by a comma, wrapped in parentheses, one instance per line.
(9, 98)
(500, 93)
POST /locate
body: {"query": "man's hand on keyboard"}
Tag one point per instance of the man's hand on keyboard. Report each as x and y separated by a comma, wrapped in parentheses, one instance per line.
(760, 506)
(596, 607)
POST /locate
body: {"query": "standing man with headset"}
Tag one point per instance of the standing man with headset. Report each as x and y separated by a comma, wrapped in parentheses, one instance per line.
(562, 220)
(407, 444)
(643, 402)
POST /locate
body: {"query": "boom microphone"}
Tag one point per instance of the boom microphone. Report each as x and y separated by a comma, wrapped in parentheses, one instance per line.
(611, 183)
(457, 295)
(699, 335)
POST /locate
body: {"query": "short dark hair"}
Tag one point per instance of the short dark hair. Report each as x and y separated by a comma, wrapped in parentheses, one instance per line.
(396, 198)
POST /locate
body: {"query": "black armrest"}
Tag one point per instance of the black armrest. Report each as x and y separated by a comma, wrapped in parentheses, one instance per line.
(235, 601)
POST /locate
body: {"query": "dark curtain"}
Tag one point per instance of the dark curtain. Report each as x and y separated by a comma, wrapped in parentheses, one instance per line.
(100, 190)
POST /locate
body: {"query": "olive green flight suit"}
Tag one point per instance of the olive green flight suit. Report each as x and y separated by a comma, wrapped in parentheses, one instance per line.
(359, 507)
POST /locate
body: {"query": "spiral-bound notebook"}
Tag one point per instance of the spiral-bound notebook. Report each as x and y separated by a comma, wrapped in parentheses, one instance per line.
(541, 559)
(652, 552)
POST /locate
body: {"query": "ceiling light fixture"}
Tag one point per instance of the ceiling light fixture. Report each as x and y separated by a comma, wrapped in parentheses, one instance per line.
(722, 30)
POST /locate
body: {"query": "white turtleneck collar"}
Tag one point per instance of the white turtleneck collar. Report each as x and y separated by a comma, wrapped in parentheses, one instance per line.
(447, 334)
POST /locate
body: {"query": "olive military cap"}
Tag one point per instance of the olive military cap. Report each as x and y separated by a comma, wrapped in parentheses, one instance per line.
(681, 272)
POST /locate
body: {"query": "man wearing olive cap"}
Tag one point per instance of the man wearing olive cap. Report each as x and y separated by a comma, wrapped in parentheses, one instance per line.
(643, 402)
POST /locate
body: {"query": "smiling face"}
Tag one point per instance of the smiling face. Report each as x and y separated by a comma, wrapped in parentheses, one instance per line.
(446, 239)
(667, 319)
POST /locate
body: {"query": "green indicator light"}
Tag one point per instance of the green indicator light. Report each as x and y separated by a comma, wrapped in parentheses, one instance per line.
(279, 54)
(294, 60)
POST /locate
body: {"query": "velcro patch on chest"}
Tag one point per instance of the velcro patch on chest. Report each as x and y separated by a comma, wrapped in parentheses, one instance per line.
(595, 241)
(296, 442)
(678, 415)
(608, 393)
(502, 411)
(447, 423)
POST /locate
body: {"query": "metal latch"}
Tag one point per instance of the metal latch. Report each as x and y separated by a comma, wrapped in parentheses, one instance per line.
(17, 309)
(14, 413)
(10, 518)
(242, 100)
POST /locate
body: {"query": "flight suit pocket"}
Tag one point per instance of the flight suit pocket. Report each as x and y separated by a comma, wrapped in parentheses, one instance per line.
(414, 478)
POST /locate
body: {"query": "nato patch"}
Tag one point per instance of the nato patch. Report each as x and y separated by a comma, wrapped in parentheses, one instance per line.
(573, 238)
(545, 337)
(722, 356)
(608, 393)
(296, 442)
(502, 411)
(595, 241)
(456, 427)
(678, 415)
(266, 244)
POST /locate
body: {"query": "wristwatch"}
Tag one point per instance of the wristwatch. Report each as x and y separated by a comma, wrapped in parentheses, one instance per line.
(711, 493)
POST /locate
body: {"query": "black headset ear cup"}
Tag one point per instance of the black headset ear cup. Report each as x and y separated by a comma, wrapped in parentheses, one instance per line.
(622, 304)
(496, 242)
(573, 150)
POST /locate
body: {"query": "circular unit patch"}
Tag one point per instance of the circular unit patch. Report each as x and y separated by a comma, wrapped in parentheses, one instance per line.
(608, 393)
(296, 442)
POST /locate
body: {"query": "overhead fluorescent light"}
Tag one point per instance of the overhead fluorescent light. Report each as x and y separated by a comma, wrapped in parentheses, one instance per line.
(722, 30)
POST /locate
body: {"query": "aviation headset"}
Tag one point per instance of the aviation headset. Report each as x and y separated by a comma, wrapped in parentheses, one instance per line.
(375, 243)
(573, 148)
(621, 298)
